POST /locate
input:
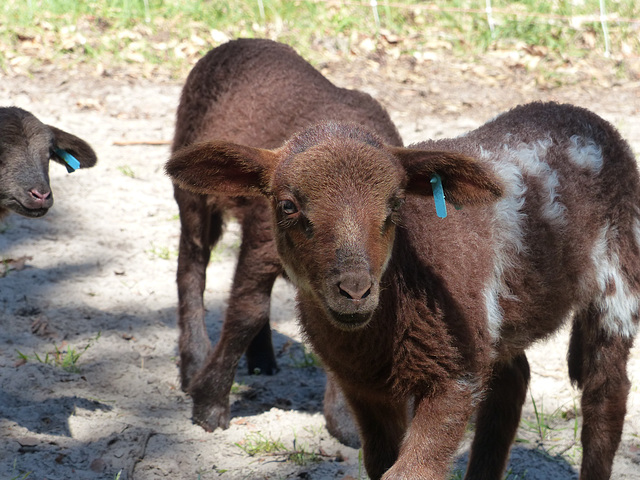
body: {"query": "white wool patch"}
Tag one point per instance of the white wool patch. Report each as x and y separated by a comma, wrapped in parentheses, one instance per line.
(585, 153)
(616, 304)
(508, 239)
(636, 232)
(495, 314)
(532, 159)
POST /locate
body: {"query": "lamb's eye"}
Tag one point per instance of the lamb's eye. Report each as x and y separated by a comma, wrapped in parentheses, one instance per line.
(288, 207)
(396, 203)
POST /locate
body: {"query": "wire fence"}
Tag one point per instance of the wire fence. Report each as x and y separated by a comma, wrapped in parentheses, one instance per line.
(601, 17)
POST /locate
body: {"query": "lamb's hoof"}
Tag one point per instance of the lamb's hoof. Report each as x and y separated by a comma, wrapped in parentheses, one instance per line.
(211, 417)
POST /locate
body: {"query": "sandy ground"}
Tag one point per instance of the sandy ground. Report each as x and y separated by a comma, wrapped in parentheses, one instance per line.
(103, 261)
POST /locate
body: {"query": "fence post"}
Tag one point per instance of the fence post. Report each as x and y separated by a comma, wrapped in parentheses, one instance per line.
(492, 23)
(376, 18)
(605, 29)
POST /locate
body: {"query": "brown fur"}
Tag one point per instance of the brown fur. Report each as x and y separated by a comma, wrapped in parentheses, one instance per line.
(256, 93)
(26, 146)
(550, 225)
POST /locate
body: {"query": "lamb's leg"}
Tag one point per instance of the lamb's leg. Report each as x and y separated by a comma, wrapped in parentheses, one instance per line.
(382, 425)
(200, 229)
(434, 434)
(250, 300)
(498, 418)
(598, 364)
(261, 358)
(246, 317)
(337, 414)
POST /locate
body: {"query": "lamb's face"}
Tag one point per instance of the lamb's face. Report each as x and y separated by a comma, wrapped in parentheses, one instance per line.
(335, 192)
(26, 145)
(335, 207)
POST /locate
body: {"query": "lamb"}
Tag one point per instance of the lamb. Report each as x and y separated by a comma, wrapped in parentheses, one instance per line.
(256, 92)
(405, 308)
(26, 146)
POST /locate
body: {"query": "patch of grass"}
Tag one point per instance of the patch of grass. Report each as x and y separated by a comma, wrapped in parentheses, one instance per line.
(238, 388)
(509, 475)
(307, 359)
(22, 476)
(127, 171)
(65, 358)
(18, 476)
(545, 424)
(167, 36)
(162, 252)
(457, 474)
(301, 455)
(224, 250)
(258, 444)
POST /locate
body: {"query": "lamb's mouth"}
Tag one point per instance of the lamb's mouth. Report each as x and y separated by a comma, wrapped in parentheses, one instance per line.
(350, 321)
(15, 206)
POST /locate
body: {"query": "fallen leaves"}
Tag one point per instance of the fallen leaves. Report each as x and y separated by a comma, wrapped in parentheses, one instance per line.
(9, 264)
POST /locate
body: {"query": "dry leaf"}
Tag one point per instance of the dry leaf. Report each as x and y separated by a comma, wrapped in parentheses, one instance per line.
(13, 264)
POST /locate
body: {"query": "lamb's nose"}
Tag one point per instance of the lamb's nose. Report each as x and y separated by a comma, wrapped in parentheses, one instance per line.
(38, 195)
(355, 287)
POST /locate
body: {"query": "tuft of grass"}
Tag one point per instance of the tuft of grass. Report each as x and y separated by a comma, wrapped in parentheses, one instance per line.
(308, 359)
(545, 424)
(238, 388)
(18, 476)
(258, 444)
(67, 359)
(457, 474)
(127, 171)
(162, 252)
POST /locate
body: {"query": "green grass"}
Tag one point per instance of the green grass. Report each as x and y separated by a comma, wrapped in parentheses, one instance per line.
(305, 359)
(18, 476)
(127, 171)
(258, 444)
(168, 36)
(65, 358)
(547, 428)
(162, 252)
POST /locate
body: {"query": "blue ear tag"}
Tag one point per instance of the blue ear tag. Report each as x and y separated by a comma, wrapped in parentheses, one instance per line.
(72, 162)
(438, 195)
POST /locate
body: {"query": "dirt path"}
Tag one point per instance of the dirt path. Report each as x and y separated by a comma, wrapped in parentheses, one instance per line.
(103, 262)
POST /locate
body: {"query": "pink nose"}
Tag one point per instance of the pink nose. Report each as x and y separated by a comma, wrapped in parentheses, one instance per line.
(355, 286)
(39, 197)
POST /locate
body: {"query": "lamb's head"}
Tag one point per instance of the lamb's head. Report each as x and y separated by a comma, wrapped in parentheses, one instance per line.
(336, 193)
(26, 146)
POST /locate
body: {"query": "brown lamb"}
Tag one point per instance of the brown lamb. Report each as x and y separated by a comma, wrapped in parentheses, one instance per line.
(258, 93)
(26, 146)
(407, 308)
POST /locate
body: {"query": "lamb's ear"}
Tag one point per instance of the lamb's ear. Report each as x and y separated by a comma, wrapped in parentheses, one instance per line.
(465, 181)
(222, 167)
(72, 151)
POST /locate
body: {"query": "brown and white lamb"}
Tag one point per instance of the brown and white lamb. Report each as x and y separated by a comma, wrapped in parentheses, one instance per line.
(405, 307)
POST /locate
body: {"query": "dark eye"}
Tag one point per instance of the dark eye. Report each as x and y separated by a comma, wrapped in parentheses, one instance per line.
(288, 207)
(396, 203)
